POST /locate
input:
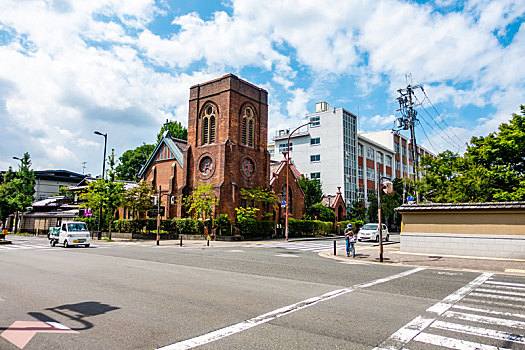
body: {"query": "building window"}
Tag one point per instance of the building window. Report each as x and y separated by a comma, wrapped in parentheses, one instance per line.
(360, 150)
(315, 121)
(380, 157)
(283, 147)
(404, 168)
(208, 125)
(360, 171)
(360, 194)
(315, 141)
(404, 151)
(370, 174)
(396, 147)
(315, 158)
(398, 165)
(315, 176)
(370, 153)
(248, 127)
(388, 160)
(271, 151)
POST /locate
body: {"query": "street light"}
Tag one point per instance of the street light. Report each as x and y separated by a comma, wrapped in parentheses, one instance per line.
(379, 224)
(103, 177)
(16, 214)
(287, 204)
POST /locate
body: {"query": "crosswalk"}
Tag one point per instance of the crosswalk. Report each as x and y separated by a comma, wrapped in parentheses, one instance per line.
(302, 246)
(308, 246)
(20, 246)
(486, 314)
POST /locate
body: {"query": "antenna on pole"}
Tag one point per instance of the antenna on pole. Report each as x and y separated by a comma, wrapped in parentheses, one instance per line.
(83, 167)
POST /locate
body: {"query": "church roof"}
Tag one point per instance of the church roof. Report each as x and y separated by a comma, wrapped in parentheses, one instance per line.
(170, 148)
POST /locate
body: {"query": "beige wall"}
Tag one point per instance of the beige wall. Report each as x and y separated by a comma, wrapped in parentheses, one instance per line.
(493, 222)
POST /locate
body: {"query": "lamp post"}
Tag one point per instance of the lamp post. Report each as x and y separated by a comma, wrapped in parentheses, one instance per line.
(287, 204)
(16, 213)
(379, 223)
(103, 177)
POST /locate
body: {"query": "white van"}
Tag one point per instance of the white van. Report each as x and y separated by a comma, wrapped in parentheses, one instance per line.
(71, 234)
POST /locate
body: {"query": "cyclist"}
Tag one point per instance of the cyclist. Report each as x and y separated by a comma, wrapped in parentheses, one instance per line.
(350, 239)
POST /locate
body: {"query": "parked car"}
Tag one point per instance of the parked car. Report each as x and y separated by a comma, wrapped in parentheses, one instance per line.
(369, 232)
(70, 234)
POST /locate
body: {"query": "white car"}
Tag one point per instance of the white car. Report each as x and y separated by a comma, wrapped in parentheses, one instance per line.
(71, 234)
(369, 232)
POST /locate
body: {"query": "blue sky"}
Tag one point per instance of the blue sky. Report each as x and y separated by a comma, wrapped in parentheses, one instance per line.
(71, 67)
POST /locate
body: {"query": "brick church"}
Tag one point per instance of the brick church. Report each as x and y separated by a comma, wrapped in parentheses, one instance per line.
(226, 147)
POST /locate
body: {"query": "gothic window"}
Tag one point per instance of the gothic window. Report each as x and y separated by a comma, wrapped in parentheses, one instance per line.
(208, 125)
(248, 127)
(290, 201)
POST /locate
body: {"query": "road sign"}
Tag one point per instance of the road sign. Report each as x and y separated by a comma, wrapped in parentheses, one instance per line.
(153, 212)
(283, 204)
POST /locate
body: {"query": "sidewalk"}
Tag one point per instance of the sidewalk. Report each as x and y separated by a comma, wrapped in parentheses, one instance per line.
(392, 256)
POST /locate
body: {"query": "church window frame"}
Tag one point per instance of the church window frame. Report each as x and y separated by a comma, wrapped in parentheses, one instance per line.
(209, 118)
(248, 127)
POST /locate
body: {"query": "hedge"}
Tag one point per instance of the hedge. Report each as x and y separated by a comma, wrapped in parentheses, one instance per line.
(297, 228)
(356, 224)
(251, 227)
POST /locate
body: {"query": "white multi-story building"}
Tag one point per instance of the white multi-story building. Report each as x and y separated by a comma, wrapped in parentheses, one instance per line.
(325, 149)
(330, 149)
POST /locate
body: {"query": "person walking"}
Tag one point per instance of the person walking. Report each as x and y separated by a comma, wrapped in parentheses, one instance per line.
(350, 239)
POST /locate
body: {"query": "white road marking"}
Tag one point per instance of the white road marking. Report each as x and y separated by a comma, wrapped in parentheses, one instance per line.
(493, 303)
(239, 327)
(452, 343)
(407, 333)
(453, 298)
(485, 319)
(494, 296)
(286, 255)
(506, 287)
(496, 291)
(487, 311)
(482, 332)
(507, 284)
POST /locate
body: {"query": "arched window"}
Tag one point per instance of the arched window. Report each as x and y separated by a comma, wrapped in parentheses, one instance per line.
(208, 125)
(248, 127)
(290, 201)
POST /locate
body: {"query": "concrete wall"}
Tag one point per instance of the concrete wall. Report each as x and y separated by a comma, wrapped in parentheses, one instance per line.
(485, 233)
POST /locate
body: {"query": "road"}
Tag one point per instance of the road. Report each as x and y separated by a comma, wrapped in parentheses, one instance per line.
(140, 296)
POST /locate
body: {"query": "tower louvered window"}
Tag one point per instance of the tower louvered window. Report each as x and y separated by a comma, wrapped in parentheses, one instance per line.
(208, 125)
(248, 128)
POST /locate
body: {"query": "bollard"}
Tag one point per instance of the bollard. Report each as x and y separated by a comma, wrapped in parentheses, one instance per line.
(181, 240)
(335, 247)
(208, 241)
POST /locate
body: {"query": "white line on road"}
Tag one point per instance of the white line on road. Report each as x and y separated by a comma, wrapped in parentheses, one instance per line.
(504, 292)
(507, 284)
(493, 303)
(452, 343)
(487, 311)
(484, 319)
(242, 326)
(494, 296)
(483, 332)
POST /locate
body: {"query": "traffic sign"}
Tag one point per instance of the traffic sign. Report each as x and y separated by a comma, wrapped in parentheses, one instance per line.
(153, 212)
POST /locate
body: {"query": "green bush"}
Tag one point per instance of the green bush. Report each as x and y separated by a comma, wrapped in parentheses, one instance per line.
(187, 226)
(356, 224)
(319, 212)
(298, 228)
(251, 227)
(224, 225)
(168, 226)
(91, 222)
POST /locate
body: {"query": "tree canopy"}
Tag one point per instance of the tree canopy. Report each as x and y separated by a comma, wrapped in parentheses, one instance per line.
(313, 191)
(491, 170)
(131, 161)
(176, 130)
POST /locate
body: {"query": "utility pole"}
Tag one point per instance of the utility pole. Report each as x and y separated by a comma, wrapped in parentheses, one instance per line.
(407, 122)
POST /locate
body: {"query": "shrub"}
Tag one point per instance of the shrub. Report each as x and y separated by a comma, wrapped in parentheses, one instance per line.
(224, 225)
(168, 226)
(299, 228)
(356, 224)
(251, 227)
(319, 212)
(187, 226)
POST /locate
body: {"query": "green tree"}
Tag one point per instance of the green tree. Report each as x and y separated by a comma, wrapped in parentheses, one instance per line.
(371, 211)
(200, 202)
(253, 200)
(358, 210)
(107, 193)
(176, 130)
(318, 211)
(492, 168)
(7, 188)
(313, 191)
(138, 199)
(131, 161)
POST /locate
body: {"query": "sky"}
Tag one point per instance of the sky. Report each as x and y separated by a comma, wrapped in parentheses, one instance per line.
(122, 67)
